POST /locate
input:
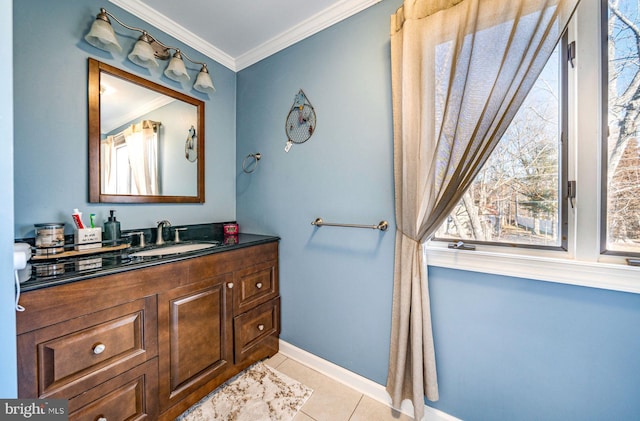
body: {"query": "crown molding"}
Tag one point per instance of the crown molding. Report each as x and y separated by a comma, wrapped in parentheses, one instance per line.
(168, 26)
(316, 23)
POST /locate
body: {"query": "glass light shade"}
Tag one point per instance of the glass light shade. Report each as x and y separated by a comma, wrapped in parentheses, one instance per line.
(101, 35)
(143, 55)
(204, 82)
(176, 70)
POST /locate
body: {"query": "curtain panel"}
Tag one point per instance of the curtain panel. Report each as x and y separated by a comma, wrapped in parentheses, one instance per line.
(142, 144)
(108, 164)
(460, 71)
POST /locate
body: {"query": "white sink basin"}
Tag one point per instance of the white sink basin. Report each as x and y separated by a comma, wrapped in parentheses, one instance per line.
(174, 249)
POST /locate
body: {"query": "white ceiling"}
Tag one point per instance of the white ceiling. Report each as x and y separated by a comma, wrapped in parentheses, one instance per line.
(239, 33)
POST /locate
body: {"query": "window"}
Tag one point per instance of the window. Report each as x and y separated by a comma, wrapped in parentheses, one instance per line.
(600, 151)
(621, 151)
(130, 160)
(516, 197)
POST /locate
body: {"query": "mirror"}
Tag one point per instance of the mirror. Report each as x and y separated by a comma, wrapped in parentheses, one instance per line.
(146, 141)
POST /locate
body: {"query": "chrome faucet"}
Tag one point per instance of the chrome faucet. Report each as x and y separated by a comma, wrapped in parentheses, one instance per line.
(161, 224)
(132, 234)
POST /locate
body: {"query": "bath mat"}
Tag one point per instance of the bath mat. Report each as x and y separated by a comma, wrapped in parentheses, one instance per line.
(259, 393)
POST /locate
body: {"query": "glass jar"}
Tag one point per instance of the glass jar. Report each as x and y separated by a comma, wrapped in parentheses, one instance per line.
(49, 238)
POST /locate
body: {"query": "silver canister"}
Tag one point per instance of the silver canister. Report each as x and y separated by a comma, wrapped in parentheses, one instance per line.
(49, 238)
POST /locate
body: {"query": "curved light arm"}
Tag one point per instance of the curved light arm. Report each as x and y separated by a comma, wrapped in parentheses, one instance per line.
(104, 13)
(186, 56)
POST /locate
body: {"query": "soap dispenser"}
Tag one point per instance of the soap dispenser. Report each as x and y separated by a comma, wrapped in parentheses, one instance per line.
(112, 229)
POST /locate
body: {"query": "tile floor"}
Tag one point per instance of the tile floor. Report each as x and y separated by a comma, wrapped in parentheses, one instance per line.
(332, 400)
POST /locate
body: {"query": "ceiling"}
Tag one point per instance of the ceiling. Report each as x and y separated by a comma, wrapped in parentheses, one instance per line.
(239, 33)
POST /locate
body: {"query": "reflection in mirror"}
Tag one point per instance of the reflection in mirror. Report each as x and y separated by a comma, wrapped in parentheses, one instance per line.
(145, 140)
(129, 160)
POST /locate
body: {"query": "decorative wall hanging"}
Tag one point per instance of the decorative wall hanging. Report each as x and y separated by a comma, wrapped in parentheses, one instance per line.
(190, 148)
(301, 121)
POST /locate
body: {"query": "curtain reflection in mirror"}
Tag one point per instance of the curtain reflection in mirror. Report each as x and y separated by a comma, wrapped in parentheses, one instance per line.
(130, 160)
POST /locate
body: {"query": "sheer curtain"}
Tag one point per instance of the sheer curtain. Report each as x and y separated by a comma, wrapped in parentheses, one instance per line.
(460, 70)
(142, 147)
(108, 164)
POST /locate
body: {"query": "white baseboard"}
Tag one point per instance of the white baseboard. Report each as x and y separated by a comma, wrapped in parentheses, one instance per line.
(357, 382)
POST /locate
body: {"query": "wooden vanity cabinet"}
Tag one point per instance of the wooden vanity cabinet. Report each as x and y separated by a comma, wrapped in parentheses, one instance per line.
(71, 356)
(198, 324)
(130, 396)
(196, 340)
(256, 305)
(149, 343)
(256, 333)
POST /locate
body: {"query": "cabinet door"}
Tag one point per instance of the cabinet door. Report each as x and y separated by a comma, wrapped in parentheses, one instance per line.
(256, 332)
(255, 285)
(65, 359)
(130, 396)
(195, 337)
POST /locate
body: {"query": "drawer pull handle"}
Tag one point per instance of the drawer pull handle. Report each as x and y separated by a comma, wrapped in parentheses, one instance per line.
(99, 349)
(230, 285)
(259, 285)
(101, 418)
(260, 327)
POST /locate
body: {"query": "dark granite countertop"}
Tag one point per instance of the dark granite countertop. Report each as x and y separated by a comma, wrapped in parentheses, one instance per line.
(65, 270)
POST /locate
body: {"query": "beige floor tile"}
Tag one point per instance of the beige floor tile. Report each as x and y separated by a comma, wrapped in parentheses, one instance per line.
(301, 416)
(330, 401)
(302, 373)
(275, 361)
(371, 410)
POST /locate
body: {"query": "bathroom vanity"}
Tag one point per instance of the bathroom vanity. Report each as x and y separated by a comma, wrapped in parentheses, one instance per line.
(151, 338)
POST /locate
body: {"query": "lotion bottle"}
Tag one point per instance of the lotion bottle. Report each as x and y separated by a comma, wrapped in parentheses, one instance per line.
(112, 229)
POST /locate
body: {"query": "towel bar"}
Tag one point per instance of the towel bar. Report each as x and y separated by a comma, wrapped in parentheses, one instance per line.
(382, 225)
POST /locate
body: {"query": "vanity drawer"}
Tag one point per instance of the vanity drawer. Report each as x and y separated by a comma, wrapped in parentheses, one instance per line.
(130, 396)
(255, 285)
(77, 354)
(256, 330)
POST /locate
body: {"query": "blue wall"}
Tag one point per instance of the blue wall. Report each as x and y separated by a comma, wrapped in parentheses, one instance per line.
(8, 384)
(511, 348)
(50, 83)
(506, 348)
(336, 283)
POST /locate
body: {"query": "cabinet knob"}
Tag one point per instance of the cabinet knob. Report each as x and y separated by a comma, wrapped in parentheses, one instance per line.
(261, 327)
(230, 285)
(101, 418)
(259, 285)
(99, 349)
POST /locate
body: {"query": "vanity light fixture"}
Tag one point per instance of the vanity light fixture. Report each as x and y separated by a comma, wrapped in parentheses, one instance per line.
(176, 69)
(143, 53)
(146, 51)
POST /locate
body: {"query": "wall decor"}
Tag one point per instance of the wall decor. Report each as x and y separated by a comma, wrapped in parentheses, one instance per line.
(301, 121)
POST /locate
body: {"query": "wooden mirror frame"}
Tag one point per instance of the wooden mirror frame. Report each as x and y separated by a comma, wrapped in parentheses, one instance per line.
(96, 68)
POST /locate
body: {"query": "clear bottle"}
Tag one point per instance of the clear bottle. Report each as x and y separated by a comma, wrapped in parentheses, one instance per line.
(112, 229)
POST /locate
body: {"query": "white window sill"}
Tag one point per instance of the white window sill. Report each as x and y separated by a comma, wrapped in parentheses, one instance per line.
(611, 276)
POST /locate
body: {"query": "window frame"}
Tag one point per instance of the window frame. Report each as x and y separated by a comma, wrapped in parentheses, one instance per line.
(563, 150)
(604, 134)
(583, 263)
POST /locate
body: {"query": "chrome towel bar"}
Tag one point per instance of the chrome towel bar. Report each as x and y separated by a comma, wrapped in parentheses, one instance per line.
(382, 225)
